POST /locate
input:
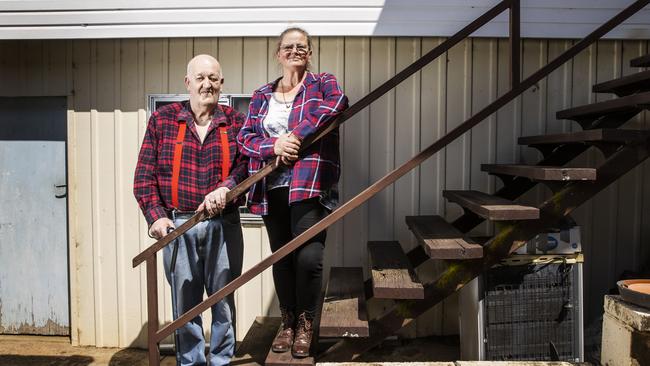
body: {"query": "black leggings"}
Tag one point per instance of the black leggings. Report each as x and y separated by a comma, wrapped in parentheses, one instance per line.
(298, 276)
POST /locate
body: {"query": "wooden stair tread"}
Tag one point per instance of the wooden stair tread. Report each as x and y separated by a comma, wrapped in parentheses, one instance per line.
(595, 135)
(392, 274)
(285, 359)
(539, 172)
(441, 240)
(255, 348)
(491, 207)
(622, 104)
(344, 307)
(642, 61)
(625, 85)
(256, 342)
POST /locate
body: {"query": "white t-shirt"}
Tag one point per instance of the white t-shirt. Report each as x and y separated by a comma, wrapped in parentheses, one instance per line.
(202, 130)
(275, 124)
(276, 121)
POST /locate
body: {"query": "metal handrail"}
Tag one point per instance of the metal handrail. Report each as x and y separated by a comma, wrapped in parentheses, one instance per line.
(517, 87)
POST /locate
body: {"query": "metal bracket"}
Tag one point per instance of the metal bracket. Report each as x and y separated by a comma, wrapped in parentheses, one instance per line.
(64, 195)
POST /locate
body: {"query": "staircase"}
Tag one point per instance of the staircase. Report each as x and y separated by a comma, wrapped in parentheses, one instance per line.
(392, 274)
(344, 316)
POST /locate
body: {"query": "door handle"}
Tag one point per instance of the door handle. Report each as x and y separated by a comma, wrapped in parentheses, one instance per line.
(64, 194)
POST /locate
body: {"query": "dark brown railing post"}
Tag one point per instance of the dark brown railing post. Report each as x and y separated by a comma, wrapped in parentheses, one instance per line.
(515, 43)
(152, 310)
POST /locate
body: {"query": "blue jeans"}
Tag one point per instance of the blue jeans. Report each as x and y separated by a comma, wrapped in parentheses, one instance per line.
(209, 256)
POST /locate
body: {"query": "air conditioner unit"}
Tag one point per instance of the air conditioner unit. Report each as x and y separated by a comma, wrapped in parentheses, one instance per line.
(528, 308)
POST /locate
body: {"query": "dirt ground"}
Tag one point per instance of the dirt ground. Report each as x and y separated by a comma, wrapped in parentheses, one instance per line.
(57, 351)
(252, 351)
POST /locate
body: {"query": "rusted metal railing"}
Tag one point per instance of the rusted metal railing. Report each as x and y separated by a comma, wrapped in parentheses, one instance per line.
(517, 87)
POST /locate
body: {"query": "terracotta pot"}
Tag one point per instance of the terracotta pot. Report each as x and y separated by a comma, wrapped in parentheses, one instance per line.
(635, 291)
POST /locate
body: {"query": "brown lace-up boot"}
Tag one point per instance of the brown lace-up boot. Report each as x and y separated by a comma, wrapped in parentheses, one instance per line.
(284, 339)
(304, 332)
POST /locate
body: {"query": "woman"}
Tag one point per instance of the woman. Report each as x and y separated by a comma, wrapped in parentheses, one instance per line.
(302, 191)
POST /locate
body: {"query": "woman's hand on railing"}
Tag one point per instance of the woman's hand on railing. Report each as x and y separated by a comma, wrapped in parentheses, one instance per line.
(286, 147)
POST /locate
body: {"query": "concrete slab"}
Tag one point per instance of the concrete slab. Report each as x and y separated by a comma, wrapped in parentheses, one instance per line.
(456, 363)
(385, 364)
(516, 363)
(623, 343)
(631, 315)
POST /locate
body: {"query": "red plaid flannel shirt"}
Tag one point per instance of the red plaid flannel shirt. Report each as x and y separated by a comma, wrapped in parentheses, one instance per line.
(200, 171)
(318, 102)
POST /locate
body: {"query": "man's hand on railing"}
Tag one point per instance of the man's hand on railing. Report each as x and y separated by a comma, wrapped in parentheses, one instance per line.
(160, 227)
(214, 201)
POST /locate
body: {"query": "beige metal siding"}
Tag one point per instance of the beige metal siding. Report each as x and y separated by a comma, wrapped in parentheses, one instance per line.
(107, 82)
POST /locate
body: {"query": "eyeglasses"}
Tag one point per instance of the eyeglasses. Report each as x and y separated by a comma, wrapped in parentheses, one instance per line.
(300, 48)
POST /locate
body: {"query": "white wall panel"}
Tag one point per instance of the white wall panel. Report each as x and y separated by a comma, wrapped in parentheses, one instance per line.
(107, 82)
(483, 137)
(433, 102)
(131, 89)
(331, 53)
(355, 141)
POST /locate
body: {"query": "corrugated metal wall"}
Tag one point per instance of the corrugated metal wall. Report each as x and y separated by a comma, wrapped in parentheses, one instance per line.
(107, 82)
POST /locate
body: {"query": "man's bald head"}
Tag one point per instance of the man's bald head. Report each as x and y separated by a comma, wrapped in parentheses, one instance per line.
(203, 81)
(205, 60)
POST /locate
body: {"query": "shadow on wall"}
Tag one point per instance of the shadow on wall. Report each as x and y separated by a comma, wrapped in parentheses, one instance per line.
(73, 360)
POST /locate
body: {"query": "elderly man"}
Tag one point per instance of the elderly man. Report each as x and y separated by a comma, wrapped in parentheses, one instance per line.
(188, 161)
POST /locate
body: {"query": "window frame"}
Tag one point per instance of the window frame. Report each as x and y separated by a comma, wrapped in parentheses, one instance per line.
(155, 101)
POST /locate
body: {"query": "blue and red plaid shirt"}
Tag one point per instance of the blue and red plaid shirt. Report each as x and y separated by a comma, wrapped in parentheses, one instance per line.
(200, 171)
(318, 102)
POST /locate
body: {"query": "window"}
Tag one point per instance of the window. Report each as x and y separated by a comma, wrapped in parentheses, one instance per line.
(238, 101)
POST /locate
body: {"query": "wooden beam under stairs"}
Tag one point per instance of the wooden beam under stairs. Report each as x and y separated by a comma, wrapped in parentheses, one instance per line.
(441, 240)
(391, 272)
(344, 307)
(541, 173)
(626, 85)
(642, 61)
(608, 135)
(634, 102)
(491, 207)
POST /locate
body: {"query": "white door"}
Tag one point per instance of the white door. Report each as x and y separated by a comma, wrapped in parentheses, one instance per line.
(34, 296)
